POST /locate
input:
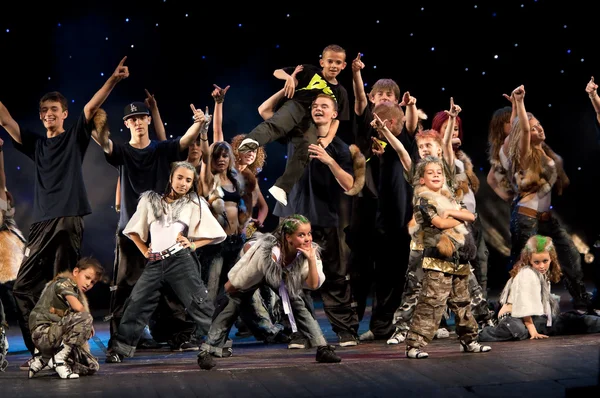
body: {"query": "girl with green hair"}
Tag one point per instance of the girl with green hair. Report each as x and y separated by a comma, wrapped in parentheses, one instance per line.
(529, 310)
(287, 261)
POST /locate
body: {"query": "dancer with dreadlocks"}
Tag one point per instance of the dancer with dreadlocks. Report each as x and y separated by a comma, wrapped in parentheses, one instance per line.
(288, 261)
(176, 223)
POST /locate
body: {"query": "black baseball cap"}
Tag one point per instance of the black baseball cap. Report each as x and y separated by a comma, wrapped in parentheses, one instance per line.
(135, 108)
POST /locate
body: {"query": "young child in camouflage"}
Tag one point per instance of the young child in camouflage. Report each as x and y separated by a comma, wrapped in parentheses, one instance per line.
(61, 323)
(445, 280)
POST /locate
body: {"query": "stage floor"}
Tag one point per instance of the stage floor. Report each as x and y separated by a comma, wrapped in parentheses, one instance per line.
(555, 367)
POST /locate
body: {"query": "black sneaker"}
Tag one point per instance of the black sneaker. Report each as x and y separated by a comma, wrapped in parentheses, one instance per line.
(347, 339)
(279, 338)
(148, 344)
(326, 354)
(113, 357)
(186, 346)
(298, 341)
(206, 361)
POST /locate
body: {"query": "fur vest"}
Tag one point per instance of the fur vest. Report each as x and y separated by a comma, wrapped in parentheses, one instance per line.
(529, 294)
(449, 240)
(501, 176)
(467, 179)
(539, 177)
(12, 244)
(257, 265)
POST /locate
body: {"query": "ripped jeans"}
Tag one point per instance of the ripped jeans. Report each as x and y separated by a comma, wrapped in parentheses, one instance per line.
(181, 273)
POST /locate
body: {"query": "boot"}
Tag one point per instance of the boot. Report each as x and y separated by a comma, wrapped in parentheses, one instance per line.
(581, 299)
(36, 364)
(60, 365)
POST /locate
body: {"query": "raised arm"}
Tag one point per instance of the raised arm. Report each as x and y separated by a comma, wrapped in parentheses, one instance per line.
(412, 113)
(267, 108)
(513, 114)
(157, 122)
(200, 120)
(403, 154)
(591, 89)
(525, 139)
(360, 97)
(9, 124)
(447, 151)
(219, 96)
(120, 73)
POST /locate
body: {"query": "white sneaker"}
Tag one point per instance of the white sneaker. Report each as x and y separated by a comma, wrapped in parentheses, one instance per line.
(416, 353)
(474, 346)
(441, 333)
(279, 194)
(367, 336)
(398, 337)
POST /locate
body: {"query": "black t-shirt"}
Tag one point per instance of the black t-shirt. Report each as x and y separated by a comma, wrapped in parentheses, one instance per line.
(312, 83)
(59, 190)
(142, 170)
(385, 175)
(317, 194)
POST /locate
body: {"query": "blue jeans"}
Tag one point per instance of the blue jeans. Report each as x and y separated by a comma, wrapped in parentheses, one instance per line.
(180, 272)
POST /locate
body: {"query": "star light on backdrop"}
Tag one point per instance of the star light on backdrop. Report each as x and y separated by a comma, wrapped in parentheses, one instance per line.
(472, 51)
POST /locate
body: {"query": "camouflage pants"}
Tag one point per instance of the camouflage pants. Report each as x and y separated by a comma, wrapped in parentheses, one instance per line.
(74, 329)
(440, 289)
(410, 293)
(412, 289)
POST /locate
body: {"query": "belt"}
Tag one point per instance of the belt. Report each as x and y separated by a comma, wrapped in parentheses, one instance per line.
(156, 256)
(526, 211)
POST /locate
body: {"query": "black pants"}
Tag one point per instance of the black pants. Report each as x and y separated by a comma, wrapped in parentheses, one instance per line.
(292, 120)
(169, 321)
(53, 247)
(379, 260)
(336, 291)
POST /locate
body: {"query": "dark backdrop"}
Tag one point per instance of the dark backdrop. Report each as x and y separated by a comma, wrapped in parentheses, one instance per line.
(472, 50)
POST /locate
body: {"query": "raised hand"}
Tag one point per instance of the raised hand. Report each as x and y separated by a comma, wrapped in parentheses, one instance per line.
(377, 123)
(219, 93)
(122, 71)
(591, 87)
(150, 101)
(407, 99)
(357, 64)
(454, 109)
(518, 93)
(509, 97)
(199, 116)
